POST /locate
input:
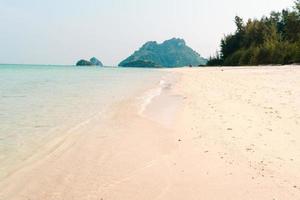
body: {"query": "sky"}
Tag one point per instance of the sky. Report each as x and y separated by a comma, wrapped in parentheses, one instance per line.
(64, 31)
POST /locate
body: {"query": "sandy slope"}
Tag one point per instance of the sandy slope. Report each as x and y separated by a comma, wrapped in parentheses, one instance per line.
(236, 135)
(241, 133)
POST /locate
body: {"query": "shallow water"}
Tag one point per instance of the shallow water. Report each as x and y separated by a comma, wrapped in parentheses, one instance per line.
(40, 102)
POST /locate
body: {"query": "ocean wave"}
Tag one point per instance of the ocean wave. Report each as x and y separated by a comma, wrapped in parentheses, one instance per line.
(147, 98)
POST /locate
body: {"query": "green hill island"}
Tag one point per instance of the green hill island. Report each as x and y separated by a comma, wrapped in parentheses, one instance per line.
(171, 53)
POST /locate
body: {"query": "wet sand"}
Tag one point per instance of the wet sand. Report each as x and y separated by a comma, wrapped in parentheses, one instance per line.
(215, 133)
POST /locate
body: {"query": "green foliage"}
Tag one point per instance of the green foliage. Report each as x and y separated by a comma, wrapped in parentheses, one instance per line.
(270, 40)
(140, 63)
(215, 61)
(92, 62)
(96, 62)
(84, 63)
(297, 5)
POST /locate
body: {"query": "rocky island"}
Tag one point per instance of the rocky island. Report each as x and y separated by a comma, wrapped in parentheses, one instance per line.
(92, 62)
(171, 53)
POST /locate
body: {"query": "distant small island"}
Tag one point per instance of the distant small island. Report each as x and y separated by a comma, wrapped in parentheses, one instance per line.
(92, 62)
(171, 53)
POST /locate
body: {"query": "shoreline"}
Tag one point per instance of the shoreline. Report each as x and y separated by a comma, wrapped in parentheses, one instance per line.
(210, 134)
(23, 139)
(115, 122)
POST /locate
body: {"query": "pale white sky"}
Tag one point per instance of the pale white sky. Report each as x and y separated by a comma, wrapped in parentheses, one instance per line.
(63, 31)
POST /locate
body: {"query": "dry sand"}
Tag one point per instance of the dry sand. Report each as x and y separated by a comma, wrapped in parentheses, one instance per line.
(230, 133)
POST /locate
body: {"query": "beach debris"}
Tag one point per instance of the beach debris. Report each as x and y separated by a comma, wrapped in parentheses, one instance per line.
(249, 149)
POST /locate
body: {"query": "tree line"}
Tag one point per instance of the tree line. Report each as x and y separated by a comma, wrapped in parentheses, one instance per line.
(274, 39)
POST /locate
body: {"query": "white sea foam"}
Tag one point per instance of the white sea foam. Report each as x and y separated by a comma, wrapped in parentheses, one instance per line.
(147, 98)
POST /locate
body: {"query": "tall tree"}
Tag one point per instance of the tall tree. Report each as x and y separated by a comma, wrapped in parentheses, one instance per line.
(269, 40)
(239, 24)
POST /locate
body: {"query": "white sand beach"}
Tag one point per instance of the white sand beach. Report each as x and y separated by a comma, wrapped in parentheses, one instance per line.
(215, 133)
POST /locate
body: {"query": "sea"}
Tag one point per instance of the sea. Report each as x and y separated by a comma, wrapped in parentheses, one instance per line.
(38, 102)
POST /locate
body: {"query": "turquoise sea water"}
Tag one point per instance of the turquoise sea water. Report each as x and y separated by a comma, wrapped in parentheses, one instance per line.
(37, 102)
